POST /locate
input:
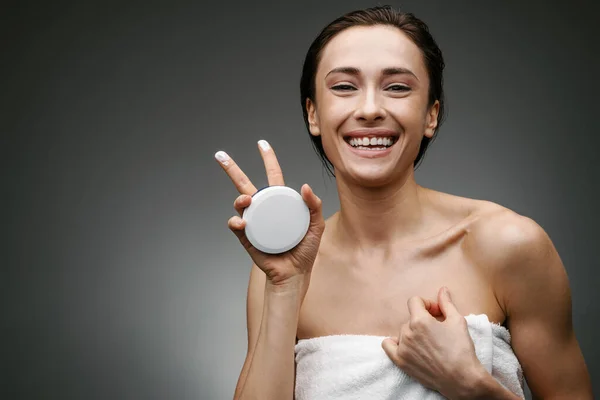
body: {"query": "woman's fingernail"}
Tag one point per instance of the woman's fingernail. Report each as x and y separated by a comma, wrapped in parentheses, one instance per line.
(222, 157)
(264, 145)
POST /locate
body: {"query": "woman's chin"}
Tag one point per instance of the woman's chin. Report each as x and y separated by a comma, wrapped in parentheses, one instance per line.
(371, 177)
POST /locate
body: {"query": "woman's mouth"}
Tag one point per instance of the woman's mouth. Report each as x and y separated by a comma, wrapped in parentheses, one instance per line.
(379, 143)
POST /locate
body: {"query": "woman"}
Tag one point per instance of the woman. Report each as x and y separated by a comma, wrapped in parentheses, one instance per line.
(398, 261)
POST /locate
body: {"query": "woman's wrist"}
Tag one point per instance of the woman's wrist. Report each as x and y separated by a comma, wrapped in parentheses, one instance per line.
(482, 385)
(293, 285)
(284, 301)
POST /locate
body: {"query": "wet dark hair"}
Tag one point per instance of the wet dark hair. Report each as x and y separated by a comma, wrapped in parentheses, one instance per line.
(410, 25)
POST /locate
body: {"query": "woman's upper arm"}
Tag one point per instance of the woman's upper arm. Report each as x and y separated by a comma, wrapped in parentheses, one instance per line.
(533, 287)
(254, 310)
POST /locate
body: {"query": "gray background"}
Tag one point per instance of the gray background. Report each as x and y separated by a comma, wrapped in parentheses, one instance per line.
(120, 278)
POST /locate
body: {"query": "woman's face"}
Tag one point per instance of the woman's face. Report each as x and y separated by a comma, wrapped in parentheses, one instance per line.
(371, 91)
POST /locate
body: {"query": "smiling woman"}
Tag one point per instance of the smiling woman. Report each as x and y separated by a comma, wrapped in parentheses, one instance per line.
(367, 75)
(413, 30)
(405, 292)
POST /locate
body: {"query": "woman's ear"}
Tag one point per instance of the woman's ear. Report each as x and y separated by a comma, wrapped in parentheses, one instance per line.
(432, 121)
(313, 119)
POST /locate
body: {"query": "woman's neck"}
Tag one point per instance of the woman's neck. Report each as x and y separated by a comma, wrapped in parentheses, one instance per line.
(378, 218)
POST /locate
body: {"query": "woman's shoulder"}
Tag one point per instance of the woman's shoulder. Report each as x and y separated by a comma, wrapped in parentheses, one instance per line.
(499, 227)
(501, 237)
(489, 220)
(493, 231)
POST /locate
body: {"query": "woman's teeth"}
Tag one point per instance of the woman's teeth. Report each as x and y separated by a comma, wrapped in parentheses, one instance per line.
(371, 143)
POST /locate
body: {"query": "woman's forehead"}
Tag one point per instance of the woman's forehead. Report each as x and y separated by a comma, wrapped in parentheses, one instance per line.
(371, 48)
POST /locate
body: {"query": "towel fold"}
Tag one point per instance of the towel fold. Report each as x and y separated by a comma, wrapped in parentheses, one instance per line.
(356, 367)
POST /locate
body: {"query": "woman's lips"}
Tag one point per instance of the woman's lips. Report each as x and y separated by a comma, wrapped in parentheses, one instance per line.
(371, 153)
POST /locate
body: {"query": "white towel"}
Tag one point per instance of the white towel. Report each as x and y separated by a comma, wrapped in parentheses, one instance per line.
(356, 367)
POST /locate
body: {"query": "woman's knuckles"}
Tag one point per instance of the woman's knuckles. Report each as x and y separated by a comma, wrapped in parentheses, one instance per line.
(400, 362)
(419, 323)
(232, 224)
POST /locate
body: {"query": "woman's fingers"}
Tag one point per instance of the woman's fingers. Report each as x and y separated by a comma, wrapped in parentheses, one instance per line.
(237, 226)
(314, 204)
(237, 176)
(418, 312)
(274, 174)
(241, 202)
(433, 308)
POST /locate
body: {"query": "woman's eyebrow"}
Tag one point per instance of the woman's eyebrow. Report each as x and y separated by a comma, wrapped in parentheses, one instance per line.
(398, 71)
(386, 71)
(344, 70)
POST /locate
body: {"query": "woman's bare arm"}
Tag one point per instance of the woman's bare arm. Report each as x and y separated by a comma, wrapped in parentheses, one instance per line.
(269, 368)
(533, 288)
(268, 372)
(254, 311)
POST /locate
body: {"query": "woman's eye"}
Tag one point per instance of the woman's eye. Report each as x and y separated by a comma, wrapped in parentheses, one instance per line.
(343, 88)
(398, 88)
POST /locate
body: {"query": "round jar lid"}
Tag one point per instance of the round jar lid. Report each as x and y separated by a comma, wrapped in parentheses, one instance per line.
(276, 220)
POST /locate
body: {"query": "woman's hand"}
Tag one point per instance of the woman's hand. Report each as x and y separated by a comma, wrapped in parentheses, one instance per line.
(280, 269)
(435, 347)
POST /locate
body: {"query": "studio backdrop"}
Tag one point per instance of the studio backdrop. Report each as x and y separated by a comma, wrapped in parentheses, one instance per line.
(120, 278)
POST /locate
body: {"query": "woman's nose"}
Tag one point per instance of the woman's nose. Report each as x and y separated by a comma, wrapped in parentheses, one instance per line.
(370, 107)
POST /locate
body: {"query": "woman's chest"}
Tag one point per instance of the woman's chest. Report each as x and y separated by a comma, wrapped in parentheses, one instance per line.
(372, 299)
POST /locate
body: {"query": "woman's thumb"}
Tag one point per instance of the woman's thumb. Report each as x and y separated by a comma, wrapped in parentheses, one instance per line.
(390, 347)
(445, 302)
(314, 204)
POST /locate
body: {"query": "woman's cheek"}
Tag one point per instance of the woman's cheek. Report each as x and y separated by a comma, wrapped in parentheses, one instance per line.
(339, 110)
